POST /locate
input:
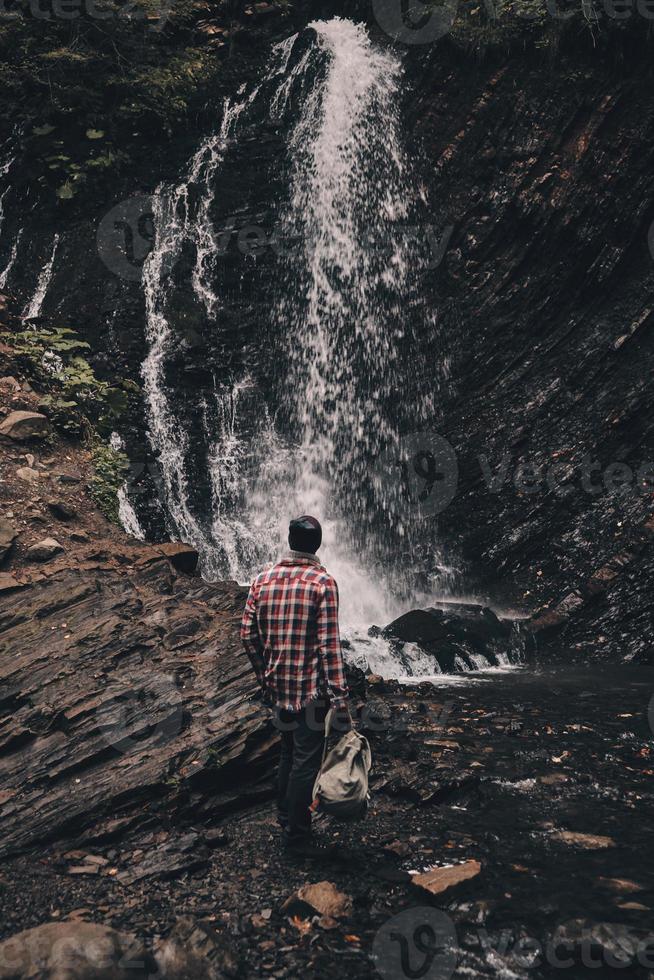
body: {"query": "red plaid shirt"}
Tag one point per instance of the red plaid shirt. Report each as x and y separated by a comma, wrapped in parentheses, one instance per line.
(290, 633)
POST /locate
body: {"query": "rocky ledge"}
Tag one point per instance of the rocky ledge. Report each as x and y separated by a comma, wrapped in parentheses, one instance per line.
(122, 688)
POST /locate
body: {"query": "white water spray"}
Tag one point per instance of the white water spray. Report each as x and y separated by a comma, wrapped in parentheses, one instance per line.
(33, 308)
(4, 275)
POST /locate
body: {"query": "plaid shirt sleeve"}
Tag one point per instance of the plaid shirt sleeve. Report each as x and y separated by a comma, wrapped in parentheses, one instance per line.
(250, 635)
(329, 646)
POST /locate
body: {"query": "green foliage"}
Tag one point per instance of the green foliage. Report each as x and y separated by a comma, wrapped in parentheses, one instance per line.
(76, 400)
(110, 467)
(108, 68)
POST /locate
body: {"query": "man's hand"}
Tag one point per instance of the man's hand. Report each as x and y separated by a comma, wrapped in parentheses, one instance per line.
(342, 720)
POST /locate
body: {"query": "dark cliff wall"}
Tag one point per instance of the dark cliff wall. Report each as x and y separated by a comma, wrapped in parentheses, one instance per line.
(538, 166)
(544, 297)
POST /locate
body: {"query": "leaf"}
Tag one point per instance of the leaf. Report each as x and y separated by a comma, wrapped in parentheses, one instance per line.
(303, 926)
(66, 191)
(94, 134)
(43, 130)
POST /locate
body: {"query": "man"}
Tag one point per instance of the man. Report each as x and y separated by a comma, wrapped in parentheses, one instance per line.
(290, 633)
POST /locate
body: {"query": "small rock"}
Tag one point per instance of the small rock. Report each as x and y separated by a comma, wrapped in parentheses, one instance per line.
(401, 848)
(62, 510)
(196, 951)
(44, 550)
(84, 869)
(81, 537)
(216, 837)
(96, 859)
(8, 535)
(69, 477)
(21, 426)
(622, 885)
(27, 474)
(440, 880)
(322, 897)
(589, 842)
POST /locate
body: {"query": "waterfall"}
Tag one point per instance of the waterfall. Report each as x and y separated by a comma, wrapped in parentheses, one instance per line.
(340, 321)
(342, 300)
(176, 223)
(342, 305)
(33, 308)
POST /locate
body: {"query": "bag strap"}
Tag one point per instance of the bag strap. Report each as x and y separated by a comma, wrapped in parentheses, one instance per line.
(328, 730)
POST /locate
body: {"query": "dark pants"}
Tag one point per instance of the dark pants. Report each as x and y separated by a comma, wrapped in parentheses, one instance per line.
(303, 736)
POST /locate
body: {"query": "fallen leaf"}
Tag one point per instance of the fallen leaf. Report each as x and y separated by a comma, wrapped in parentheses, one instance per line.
(303, 926)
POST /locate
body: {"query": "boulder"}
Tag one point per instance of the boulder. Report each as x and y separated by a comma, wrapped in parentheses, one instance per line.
(8, 535)
(22, 426)
(44, 550)
(74, 950)
(184, 726)
(458, 635)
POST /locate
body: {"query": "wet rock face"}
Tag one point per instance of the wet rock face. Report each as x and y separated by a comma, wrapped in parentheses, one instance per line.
(123, 689)
(544, 314)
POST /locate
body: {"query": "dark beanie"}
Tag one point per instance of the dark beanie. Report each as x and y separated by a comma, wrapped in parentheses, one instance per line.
(305, 534)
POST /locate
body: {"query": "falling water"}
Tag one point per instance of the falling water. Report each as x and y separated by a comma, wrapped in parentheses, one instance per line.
(4, 275)
(345, 302)
(128, 516)
(177, 223)
(5, 167)
(342, 304)
(33, 308)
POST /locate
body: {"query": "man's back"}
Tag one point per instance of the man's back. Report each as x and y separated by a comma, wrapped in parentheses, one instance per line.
(290, 631)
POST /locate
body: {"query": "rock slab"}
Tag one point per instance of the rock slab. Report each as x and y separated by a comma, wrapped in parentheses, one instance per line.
(21, 426)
